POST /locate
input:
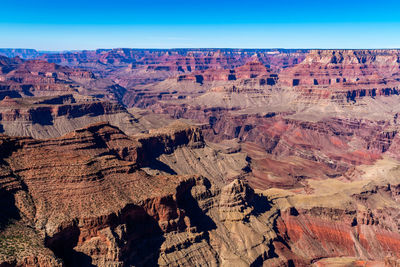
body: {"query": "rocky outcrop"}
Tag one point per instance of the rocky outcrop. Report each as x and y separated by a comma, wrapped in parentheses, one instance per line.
(22, 53)
(46, 117)
(8, 64)
(348, 74)
(346, 224)
(95, 146)
(40, 78)
(35, 77)
(95, 205)
(252, 70)
(103, 210)
(335, 144)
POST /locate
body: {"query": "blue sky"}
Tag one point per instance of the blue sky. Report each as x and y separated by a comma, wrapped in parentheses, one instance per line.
(73, 24)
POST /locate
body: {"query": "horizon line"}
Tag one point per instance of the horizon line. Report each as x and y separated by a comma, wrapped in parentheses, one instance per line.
(188, 48)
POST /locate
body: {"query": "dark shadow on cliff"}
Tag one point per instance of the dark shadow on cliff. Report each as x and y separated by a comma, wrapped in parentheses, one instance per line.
(197, 216)
(63, 243)
(260, 204)
(42, 116)
(11, 94)
(144, 237)
(139, 243)
(155, 164)
(8, 211)
(26, 89)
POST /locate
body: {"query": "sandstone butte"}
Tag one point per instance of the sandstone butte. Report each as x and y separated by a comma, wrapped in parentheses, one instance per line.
(199, 157)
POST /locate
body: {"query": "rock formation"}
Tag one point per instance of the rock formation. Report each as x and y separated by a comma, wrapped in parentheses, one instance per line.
(182, 157)
(109, 203)
(102, 208)
(39, 78)
(346, 73)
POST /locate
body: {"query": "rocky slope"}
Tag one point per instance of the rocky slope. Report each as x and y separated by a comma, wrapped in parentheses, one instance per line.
(114, 213)
(352, 221)
(46, 117)
(20, 78)
(39, 77)
(346, 73)
(22, 53)
(110, 203)
(287, 129)
(252, 69)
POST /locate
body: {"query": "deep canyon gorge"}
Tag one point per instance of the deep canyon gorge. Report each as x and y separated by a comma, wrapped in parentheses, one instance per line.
(200, 157)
